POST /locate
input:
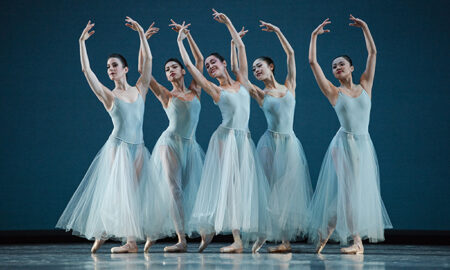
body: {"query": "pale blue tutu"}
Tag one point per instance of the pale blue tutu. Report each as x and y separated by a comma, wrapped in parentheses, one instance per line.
(286, 169)
(347, 194)
(107, 202)
(177, 162)
(177, 167)
(233, 192)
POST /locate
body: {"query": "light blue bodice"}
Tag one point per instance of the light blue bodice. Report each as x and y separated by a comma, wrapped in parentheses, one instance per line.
(235, 108)
(354, 113)
(279, 112)
(183, 116)
(127, 119)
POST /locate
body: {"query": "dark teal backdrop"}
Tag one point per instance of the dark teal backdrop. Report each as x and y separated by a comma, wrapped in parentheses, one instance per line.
(53, 125)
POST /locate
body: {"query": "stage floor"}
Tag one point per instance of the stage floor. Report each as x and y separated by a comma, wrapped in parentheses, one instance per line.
(78, 256)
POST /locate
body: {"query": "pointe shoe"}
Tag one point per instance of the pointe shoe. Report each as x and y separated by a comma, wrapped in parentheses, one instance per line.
(97, 244)
(283, 248)
(257, 245)
(353, 249)
(178, 247)
(233, 248)
(206, 240)
(320, 246)
(127, 248)
(147, 246)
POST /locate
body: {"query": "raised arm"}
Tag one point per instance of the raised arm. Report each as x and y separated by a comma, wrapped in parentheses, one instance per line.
(290, 82)
(328, 89)
(367, 77)
(102, 93)
(198, 56)
(210, 88)
(161, 92)
(233, 56)
(146, 75)
(242, 56)
(254, 90)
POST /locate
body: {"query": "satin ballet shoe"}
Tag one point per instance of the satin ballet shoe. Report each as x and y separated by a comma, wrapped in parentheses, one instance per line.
(353, 249)
(257, 245)
(283, 248)
(127, 248)
(148, 245)
(178, 247)
(97, 244)
(233, 248)
(206, 240)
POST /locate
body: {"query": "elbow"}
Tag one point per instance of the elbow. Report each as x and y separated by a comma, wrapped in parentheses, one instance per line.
(290, 53)
(240, 45)
(312, 61)
(373, 51)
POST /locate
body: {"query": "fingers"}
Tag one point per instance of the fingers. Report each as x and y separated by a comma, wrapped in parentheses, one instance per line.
(151, 25)
(91, 33)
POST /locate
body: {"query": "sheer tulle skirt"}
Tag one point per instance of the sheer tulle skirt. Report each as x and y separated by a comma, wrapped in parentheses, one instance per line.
(233, 192)
(287, 171)
(177, 164)
(347, 195)
(106, 204)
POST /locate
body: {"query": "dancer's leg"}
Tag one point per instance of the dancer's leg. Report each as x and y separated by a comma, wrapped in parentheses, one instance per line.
(237, 246)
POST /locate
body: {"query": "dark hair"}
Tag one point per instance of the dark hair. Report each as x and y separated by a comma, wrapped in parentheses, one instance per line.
(120, 57)
(346, 57)
(218, 56)
(268, 61)
(173, 60)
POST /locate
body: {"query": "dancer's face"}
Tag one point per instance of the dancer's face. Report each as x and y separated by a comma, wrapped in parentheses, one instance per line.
(115, 69)
(261, 70)
(214, 66)
(341, 68)
(174, 71)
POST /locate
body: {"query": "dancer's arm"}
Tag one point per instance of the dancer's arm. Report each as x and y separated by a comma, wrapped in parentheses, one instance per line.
(160, 92)
(242, 56)
(103, 94)
(254, 90)
(210, 88)
(290, 82)
(146, 75)
(198, 56)
(328, 89)
(233, 56)
(367, 77)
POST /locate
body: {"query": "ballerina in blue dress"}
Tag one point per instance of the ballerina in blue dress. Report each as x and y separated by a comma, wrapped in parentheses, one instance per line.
(347, 199)
(279, 149)
(106, 204)
(177, 158)
(233, 192)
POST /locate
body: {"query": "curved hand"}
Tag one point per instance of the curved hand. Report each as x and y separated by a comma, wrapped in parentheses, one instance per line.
(220, 17)
(151, 31)
(182, 32)
(176, 26)
(86, 34)
(269, 27)
(357, 22)
(319, 30)
(242, 32)
(133, 24)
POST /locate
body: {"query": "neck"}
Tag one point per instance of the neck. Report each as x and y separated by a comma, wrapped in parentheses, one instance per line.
(347, 83)
(271, 83)
(179, 85)
(225, 80)
(121, 84)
